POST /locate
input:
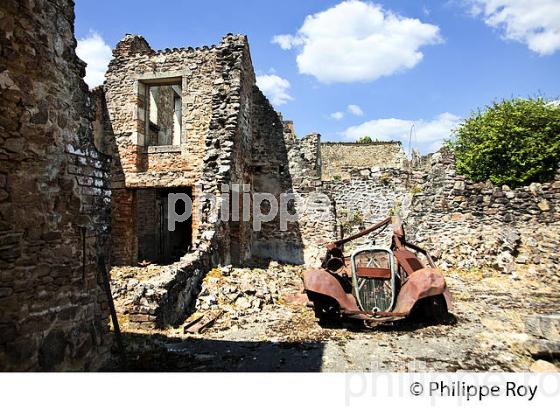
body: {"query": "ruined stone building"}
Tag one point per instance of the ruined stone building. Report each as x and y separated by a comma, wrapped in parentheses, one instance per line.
(193, 121)
(85, 178)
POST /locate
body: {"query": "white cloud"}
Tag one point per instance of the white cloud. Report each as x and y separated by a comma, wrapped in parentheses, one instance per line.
(358, 41)
(275, 88)
(97, 54)
(287, 41)
(337, 115)
(535, 22)
(355, 110)
(428, 134)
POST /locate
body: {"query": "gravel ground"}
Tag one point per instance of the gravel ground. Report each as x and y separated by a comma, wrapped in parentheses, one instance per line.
(262, 325)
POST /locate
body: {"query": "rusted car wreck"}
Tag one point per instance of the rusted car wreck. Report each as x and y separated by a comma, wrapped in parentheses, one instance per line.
(378, 284)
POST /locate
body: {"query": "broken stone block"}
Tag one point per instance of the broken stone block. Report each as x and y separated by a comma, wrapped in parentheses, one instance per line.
(243, 303)
(543, 348)
(504, 262)
(544, 205)
(459, 186)
(542, 366)
(544, 326)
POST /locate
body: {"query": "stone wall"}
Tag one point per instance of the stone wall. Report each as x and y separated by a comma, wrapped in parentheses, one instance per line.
(271, 174)
(232, 139)
(368, 197)
(216, 85)
(339, 158)
(54, 197)
(135, 66)
(166, 296)
(231, 136)
(284, 164)
(470, 224)
(316, 217)
(462, 223)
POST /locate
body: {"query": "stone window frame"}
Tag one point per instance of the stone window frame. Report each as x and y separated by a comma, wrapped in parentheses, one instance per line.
(141, 85)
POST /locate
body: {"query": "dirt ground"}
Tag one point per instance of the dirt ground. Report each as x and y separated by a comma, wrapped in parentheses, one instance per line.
(262, 326)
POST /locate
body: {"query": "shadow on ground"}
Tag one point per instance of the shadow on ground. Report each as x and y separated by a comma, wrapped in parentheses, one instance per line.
(148, 352)
(408, 324)
(157, 352)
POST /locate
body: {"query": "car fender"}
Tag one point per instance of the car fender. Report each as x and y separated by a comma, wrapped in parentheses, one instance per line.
(324, 283)
(421, 284)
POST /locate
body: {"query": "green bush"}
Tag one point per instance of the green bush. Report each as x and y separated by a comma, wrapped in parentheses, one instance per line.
(513, 142)
(365, 140)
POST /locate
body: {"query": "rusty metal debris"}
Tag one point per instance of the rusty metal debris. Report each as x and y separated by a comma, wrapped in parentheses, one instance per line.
(199, 325)
(377, 284)
(192, 326)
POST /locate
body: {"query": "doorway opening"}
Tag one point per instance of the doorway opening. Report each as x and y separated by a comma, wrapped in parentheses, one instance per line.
(156, 243)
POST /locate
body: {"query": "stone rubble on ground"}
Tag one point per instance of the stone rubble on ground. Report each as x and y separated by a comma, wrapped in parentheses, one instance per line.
(254, 319)
(242, 293)
(541, 366)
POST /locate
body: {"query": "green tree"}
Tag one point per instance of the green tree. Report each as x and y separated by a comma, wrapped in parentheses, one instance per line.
(366, 139)
(513, 142)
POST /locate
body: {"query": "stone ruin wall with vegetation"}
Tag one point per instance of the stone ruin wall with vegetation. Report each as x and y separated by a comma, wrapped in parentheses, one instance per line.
(470, 225)
(54, 197)
(464, 224)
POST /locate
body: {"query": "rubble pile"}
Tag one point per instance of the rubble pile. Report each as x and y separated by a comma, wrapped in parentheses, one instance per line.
(497, 249)
(255, 318)
(544, 331)
(156, 295)
(129, 283)
(234, 297)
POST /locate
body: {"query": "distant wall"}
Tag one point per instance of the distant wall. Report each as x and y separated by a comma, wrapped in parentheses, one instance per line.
(283, 164)
(368, 197)
(339, 158)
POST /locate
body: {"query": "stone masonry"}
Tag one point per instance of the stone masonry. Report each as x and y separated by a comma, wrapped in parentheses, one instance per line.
(84, 177)
(462, 223)
(338, 159)
(471, 224)
(231, 137)
(215, 133)
(54, 197)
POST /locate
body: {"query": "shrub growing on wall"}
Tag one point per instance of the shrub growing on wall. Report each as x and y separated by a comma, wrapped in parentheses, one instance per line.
(366, 139)
(513, 142)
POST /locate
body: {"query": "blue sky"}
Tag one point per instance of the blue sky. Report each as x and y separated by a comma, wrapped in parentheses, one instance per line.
(346, 69)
